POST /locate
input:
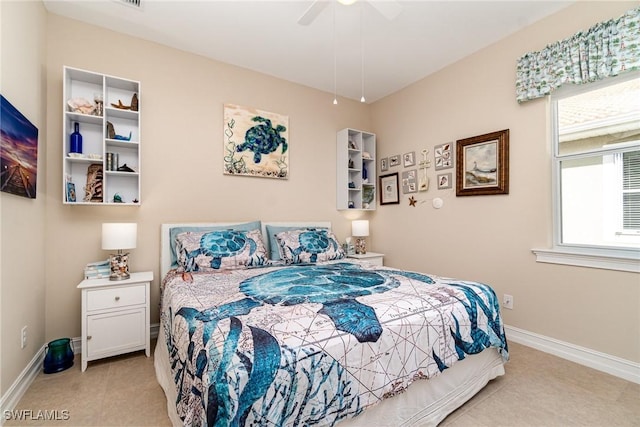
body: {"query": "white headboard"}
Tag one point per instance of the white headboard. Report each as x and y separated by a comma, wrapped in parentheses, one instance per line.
(165, 240)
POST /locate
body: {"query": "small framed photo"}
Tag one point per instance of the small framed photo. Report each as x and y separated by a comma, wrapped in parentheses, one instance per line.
(443, 156)
(389, 189)
(71, 192)
(394, 161)
(409, 181)
(482, 164)
(409, 159)
(384, 164)
(444, 180)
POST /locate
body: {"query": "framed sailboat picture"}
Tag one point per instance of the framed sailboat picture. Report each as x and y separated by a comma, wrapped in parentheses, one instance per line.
(482, 164)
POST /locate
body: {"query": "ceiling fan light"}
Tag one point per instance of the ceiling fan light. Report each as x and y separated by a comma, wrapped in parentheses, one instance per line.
(347, 2)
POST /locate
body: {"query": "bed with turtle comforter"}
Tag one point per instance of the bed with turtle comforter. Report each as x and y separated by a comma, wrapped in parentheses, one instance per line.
(312, 339)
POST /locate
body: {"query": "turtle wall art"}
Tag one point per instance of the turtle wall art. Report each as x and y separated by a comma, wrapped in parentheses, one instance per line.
(256, 142)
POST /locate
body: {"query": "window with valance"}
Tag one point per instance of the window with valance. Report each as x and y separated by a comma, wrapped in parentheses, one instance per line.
(605, 50)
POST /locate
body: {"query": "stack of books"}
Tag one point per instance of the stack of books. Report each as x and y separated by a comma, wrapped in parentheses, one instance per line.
(97, 270)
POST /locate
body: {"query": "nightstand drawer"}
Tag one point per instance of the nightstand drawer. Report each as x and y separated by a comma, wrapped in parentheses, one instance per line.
(101, 299)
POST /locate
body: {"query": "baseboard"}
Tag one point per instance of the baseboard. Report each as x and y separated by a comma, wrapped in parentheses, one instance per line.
(613, 365)
(20, 386)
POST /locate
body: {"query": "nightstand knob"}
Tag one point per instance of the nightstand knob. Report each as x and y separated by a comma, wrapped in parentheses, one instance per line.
(117, 298)
(88, 337)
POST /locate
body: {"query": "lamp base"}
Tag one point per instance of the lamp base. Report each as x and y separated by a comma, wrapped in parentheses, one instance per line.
(361, 246)
(119, 266)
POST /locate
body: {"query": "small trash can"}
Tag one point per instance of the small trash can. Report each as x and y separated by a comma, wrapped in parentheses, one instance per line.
(58, 356)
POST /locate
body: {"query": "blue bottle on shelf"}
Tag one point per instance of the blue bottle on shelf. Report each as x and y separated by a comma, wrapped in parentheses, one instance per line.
(76, 140)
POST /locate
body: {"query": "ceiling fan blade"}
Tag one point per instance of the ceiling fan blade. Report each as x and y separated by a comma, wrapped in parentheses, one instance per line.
(314, 10)
(390, 9)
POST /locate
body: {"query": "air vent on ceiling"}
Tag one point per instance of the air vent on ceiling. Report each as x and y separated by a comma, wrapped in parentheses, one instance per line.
(133, 3)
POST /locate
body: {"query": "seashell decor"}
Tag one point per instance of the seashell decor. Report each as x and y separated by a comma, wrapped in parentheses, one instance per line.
(81, 105)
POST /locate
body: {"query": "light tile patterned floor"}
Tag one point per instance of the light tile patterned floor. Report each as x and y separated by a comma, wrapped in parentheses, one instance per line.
(538, 390)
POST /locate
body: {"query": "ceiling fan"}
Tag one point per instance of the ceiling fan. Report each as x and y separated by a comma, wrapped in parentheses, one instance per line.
(390, 9)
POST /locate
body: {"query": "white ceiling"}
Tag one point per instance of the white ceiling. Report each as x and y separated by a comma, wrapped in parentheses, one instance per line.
(264, 35)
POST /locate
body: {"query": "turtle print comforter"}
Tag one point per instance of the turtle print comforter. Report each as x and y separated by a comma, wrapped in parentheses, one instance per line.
(313, 344)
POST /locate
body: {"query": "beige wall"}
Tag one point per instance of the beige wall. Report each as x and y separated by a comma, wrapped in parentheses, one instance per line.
(489, 238)
(181, 103)
(22, 226)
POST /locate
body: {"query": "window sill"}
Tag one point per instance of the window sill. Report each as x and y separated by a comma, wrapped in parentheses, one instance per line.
(607, 262)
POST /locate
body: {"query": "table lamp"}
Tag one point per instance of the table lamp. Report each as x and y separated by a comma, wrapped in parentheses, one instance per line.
(360, 230)
(119, 236)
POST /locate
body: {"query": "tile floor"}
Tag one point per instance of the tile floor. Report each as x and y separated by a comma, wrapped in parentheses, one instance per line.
(538, 390)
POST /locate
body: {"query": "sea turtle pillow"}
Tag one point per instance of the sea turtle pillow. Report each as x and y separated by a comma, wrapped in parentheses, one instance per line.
(309, 245)
(220, 250)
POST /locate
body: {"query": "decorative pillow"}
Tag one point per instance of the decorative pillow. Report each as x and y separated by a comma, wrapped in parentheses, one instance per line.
(310, 245)
(220, 250)
(272, 230)
(173, 232)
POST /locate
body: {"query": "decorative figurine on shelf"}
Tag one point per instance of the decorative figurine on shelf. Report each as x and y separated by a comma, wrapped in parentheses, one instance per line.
(81, 105)
(125, 168)
(350, 164)
(135, 201)
(123, 138)
(117, 198)
(99, 102)
(121, 106)
(93, 189)
(134, 102)
(111, 133)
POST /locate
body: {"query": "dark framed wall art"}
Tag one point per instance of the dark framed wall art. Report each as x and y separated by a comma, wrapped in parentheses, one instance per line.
(482, 164)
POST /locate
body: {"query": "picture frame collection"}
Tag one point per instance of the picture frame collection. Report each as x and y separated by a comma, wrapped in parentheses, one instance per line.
(481, 168)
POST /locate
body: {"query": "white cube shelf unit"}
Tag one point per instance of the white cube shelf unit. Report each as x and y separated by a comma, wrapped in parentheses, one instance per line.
(356, 170)
(96, 144)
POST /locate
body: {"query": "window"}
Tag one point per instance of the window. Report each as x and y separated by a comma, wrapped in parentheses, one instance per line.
(596, 163)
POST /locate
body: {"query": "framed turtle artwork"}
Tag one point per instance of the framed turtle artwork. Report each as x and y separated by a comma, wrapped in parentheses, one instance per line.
(256, 142)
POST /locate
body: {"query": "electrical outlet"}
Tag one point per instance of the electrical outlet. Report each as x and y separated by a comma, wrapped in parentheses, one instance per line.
(23, 337)
(507, 301)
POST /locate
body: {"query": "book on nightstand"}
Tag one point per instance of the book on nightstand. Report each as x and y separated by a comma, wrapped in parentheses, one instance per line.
(97, 270)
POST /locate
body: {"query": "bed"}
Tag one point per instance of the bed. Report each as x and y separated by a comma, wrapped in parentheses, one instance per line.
(267, 324)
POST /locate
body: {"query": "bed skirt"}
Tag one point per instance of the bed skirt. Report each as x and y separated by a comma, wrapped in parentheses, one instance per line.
(425, 403)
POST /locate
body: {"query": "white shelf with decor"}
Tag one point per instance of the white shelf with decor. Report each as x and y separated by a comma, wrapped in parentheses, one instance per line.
(356, 170)
(104, 168)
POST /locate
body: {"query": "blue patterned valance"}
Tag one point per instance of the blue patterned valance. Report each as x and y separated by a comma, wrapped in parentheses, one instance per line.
(605, 50)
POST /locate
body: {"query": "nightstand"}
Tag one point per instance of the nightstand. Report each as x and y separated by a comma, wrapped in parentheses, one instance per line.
(115, 316)
(369, 258)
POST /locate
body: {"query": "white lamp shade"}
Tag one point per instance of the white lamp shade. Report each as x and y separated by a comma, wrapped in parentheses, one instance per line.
(119, 235)
(360, 228)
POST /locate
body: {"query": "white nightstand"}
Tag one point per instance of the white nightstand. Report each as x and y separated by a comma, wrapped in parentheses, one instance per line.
(369, 257)
(115, 316)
